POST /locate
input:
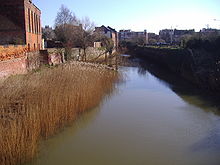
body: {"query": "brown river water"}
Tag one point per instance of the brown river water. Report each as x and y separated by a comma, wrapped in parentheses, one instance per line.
(146, 121)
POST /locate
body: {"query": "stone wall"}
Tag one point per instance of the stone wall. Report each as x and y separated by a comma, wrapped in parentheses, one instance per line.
(76, 54)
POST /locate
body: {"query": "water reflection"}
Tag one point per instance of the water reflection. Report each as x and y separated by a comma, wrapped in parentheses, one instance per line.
(152, 121)
(67, 135)
(209, 102)
(211, 142)
(193, 96)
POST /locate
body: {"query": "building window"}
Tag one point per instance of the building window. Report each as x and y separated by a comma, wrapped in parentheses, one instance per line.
(32, 22)
(29, 48)
(37, 24)
(29, 21)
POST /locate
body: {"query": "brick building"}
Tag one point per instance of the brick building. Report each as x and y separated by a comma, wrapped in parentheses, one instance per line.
(108, 32)
(20, 24)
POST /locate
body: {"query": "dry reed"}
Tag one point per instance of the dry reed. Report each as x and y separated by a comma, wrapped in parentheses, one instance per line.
(37, 105)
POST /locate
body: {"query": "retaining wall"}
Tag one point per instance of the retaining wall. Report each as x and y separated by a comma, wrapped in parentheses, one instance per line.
(21, 65)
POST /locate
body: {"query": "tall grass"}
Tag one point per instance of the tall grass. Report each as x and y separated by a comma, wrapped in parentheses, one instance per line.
(37, 105)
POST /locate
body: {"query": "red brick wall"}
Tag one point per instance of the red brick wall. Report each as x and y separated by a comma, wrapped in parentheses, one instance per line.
(12, 21)
(11, 52)
(12, 67)
(33, 26)
(28, 62)
(23, 21)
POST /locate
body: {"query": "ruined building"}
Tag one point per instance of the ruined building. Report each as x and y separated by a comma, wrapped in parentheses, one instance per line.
(20, 24)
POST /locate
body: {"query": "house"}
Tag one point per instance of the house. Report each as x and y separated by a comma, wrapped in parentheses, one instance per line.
(166, 35)
(153, 38)
(128, 35)
(209, 31)
(109, 33)
(179, 34)
(174, 36)
(20, 24)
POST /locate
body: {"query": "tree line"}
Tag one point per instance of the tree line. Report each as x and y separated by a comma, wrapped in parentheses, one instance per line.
(73, 32)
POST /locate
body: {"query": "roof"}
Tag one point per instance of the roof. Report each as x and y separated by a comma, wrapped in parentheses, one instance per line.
(104, 29)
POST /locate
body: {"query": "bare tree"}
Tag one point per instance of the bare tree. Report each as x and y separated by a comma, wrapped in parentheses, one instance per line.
(65, 17)
(84, 35)
(48, 33)
(65, 28)
(108, 44)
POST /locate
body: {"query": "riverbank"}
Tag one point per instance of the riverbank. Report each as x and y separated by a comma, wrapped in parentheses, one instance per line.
(199, 66)
(139, 124)
(37, 105)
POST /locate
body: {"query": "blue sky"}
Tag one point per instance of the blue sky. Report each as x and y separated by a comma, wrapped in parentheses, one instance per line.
(138, 15)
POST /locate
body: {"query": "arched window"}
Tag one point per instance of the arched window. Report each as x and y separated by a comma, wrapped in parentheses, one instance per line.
(29, 48)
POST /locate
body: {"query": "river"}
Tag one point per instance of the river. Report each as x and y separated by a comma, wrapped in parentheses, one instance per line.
(146, 121)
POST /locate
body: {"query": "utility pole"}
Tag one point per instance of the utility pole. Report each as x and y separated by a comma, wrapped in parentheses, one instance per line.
(171, 35)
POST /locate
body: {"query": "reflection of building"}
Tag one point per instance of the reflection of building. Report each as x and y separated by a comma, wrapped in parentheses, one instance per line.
(20, 24)
(128, 35)
(108, 32)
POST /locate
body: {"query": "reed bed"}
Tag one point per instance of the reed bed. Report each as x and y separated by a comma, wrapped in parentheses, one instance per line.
(35, 106)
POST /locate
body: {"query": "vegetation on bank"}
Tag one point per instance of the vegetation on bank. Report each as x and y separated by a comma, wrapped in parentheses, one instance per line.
(72, 32)
(198, 61)
(37, 105)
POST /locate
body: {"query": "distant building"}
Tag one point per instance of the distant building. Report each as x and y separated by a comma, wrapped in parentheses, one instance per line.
(153, 38)
(179, 34)
(174, 36)
(128, 35)
(108, 32)
(183, 32)
(166, 35)
(210, 31)
(48, 33)
(20, 24)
